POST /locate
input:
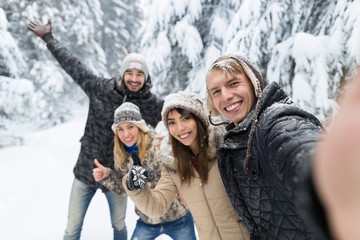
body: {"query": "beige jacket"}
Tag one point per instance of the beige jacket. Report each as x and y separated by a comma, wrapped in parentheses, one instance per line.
(209, 204)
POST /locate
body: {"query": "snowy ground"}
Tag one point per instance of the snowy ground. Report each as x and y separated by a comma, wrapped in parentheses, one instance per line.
(37, 179)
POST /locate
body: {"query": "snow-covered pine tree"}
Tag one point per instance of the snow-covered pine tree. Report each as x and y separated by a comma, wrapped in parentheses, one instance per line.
(172, 43)
(50, 94)
(308, 47)
(122, 22)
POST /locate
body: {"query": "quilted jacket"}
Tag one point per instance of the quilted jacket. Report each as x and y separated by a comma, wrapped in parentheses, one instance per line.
(105, 96)
(265, 197)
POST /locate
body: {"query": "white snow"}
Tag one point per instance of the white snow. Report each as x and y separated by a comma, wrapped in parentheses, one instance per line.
(189, 40)
(37, 179)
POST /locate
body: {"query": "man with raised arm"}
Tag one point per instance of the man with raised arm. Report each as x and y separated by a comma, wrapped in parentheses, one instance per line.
(105, 95)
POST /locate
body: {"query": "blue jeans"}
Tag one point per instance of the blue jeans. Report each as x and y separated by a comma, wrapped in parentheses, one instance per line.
(183, 228)
(80, 198)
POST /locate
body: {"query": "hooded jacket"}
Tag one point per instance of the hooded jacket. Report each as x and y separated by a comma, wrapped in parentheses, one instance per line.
(265, 195)
(105, 96)
(154, 160)
(209, 204)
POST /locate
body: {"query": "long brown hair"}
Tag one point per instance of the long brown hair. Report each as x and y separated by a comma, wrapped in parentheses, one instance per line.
(183, 154)
(120, 155)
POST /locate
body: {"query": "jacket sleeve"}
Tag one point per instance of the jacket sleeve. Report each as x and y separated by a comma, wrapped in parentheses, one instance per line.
(154, 202)
(113, 182)
(290, 141)
(72, 66)
(287, 139)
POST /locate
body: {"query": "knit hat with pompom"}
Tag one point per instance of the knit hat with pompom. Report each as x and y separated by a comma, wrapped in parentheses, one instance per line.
(129, 112)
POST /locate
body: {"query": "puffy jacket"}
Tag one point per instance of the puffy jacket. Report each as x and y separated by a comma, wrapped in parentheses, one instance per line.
(104, 97)
(209, 204)
(153, 159)
(282, 145)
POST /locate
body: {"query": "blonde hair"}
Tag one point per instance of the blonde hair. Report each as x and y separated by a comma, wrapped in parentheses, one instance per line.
(120, 155)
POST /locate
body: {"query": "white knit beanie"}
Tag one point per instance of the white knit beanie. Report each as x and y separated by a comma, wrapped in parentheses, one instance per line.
(134, 61)
(187, 101)
(129, 112)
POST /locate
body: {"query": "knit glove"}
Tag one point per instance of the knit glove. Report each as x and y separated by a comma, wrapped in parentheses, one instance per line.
(138, 176)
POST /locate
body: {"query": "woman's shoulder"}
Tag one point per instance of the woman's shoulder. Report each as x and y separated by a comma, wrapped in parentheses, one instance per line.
(159, 150)
(166, 154)
(216, 135)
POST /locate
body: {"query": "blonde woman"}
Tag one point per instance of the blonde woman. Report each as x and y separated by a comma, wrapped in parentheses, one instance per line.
(134, 141)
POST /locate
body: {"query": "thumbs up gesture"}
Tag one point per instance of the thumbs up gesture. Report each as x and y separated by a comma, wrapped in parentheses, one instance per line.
(138, 176)
(100, 172)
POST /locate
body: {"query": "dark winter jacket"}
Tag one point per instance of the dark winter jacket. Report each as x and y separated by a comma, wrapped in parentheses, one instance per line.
(282, 145)
(105, 96)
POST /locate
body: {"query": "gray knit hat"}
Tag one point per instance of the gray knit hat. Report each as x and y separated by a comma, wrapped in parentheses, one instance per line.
(250, 68)
(129, 112)
(186, 101)
(134, 61)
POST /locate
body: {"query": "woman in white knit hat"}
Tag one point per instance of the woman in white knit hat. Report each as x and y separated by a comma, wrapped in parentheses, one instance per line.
(190, 168)
(132, 134)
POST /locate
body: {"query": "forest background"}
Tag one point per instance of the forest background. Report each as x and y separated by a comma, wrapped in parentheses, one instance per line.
(310, 47)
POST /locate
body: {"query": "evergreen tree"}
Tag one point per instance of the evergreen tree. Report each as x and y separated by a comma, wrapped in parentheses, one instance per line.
(122, 22)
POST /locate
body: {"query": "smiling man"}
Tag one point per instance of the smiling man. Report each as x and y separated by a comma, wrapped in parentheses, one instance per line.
(133, 72)
(265, 159)
(105, 95)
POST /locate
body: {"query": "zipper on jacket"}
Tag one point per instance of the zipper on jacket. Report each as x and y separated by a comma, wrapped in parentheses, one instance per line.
(211, 213)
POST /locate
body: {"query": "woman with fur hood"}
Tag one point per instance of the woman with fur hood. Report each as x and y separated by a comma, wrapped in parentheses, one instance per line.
(190, 168)
(133, 135)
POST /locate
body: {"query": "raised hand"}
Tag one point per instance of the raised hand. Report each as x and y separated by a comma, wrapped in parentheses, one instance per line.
(138, 176)
(100, 172)
(337, 166)
(38, 29)
(159, 138)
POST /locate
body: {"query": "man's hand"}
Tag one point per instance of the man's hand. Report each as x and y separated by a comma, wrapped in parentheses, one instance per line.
(100, 172)
(38, 29)
(336, 167)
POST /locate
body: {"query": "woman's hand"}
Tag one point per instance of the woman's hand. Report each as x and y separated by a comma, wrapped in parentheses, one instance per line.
(100, 172)
(138, 176)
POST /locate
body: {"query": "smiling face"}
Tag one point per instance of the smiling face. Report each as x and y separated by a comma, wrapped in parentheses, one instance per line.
(134, 79)
(183, 128)
(231, 93)
(127, 133)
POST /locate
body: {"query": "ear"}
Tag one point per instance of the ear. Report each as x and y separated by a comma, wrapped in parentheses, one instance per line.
(210, 106)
